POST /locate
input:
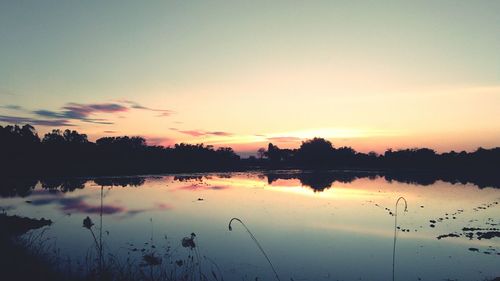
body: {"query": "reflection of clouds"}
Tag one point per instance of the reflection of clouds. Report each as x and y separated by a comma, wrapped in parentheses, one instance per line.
(194, 187)
(157, 207)
(78, 205)
(373, 231)
(218, 187)
(43, 192)
(286, 182)
(135, 212)
(163, 206)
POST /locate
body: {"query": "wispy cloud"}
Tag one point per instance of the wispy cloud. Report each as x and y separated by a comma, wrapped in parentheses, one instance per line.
(161, 112)
(192, 133)
(284, 139)
(82, 112)
(5, 92)
(32, 121)
(89, 113)
(12, 107)
(194, 187)
(219, 133)
(200, 133)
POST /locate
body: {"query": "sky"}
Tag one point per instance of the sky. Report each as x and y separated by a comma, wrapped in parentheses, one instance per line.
(368, 74)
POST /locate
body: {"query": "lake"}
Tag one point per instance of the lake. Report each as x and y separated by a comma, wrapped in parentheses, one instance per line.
(312, 226)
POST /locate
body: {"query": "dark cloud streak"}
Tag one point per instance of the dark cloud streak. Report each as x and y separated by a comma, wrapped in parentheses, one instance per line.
(25, 120)
(76, 112)
(12, 107)
(199, 133)
(284, 139)
(162, 112)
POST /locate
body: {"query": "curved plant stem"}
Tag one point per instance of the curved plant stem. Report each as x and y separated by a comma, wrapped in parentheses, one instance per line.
(95, 239)
(100, 233)
(256, 243)
(395, 232)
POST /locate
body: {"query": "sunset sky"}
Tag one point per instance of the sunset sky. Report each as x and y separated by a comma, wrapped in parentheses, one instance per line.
(367, 74)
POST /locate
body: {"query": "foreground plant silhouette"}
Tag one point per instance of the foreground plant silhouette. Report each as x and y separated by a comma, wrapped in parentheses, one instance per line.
(395, 232)
(256, 243)
(87, 223)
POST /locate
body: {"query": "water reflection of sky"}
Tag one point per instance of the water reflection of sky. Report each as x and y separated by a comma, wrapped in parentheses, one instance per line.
(342, 232)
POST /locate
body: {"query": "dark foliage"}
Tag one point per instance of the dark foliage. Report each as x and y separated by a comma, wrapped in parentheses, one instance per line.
(70, 153)
(15, 225)
(320, 154)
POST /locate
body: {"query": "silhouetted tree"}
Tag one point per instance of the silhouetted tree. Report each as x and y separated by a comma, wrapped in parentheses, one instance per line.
(71, 153)
(74, 137)
(273, 153)
(261, 152)
(53, 138)
(316, 152)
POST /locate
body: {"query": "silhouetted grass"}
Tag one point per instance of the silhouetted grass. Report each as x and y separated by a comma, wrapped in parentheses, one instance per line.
(153, 264)
(256, 243)
(395, 232)
(34, 256)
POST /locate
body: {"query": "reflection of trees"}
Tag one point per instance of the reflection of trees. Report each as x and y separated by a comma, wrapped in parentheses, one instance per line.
(72, 184)
(319, 181)
(10, 187)
(411, 178)
(120, 181)
(186, 178)
(482, 180)
(63, 184)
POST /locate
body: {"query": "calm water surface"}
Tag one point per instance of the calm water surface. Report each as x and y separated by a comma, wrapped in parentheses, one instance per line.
(340, 230)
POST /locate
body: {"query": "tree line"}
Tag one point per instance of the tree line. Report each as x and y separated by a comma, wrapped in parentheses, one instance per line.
(69, 152)
(318, 153)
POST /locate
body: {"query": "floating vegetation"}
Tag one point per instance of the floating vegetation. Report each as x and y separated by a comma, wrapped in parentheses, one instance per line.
(474, 232)
(447, 235)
